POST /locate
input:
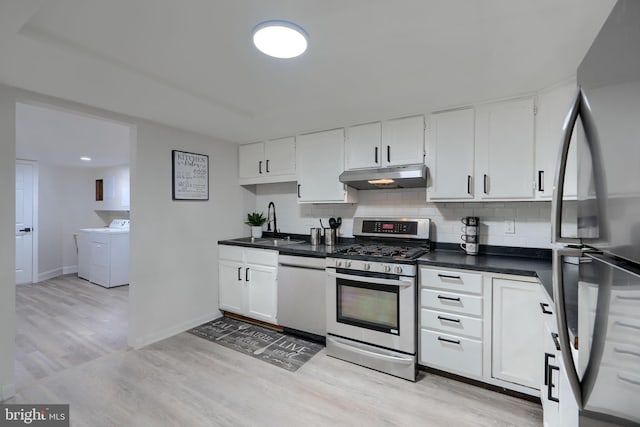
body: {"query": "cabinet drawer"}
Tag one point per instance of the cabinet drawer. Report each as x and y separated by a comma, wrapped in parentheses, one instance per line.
(447, 301)
(262, 257)
(231, 253)
(455, 281)
(451, 323)
(451, 353)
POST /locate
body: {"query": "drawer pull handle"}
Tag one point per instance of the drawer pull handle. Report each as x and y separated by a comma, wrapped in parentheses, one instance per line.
(448, 319)
(446, 276)
(547, 356)
(449, 341)
(544, 306)
(627, 325)
(551, 385)
(628, 380)
(556, 342)
(626, 352)
(620, 297)
(449, 298)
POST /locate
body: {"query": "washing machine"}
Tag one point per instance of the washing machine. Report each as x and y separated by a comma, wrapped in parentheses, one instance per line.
(103, 254)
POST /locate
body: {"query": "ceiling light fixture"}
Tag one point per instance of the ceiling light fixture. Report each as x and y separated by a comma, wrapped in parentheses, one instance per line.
(85, 159)
(280, 39)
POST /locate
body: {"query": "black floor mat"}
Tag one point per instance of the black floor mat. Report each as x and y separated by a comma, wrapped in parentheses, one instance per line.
(276, 348)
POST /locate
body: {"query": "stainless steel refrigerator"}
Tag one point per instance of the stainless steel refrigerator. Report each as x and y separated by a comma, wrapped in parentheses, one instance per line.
(597, 273)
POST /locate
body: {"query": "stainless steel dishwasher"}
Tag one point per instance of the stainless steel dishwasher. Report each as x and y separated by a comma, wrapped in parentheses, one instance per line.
(301, 294)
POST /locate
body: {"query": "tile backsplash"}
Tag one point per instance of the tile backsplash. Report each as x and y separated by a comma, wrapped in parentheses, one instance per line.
(531, 219)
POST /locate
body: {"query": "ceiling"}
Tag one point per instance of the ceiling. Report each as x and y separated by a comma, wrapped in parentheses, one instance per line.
(191, 63)
(57, 137)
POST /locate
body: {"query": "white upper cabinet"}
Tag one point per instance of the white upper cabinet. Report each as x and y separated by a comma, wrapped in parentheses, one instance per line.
(320, 161)
(363, 146)
(268, 161)
(403, 141)
(450, 155)
(390, 143)
(553, 106)
(504, 146)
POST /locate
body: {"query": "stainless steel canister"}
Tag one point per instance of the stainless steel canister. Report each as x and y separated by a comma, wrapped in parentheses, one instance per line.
(316, 236)
(330, 236)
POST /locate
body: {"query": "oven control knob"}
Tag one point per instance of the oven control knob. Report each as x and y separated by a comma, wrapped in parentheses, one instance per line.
(338, 263)
(398, 269)
(367, 267)
(347, 264)
(387, 268)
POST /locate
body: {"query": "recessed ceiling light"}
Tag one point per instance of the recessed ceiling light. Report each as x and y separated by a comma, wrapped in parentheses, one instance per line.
(85, 159)
(280, 39)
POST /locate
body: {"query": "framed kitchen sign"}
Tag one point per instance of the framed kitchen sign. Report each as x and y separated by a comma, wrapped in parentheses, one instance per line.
(190, 176)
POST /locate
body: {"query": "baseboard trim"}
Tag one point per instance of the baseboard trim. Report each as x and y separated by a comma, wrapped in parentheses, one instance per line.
(50, 274)
(481, 384)
(146, 340)
(7, 391)
(69, 269)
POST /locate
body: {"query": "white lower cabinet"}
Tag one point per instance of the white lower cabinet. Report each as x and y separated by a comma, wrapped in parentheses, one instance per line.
(482, 325)
(248, 282)
(517, 335)
(451, 321)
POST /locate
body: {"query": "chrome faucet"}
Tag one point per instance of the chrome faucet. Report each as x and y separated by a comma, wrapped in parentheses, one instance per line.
(275, 222)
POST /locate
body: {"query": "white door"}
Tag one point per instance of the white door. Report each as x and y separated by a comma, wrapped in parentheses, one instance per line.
(24, 223)
(504, 150)
(251, 160)
(450, 148)
(363, 146)
(403, 141)
(280, 156)
(320, 161)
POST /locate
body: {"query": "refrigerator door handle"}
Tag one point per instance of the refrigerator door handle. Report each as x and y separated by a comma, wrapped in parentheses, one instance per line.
(561, 318)
(558, 187)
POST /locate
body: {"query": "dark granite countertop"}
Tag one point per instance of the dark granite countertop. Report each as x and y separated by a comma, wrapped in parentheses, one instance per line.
(536, 264)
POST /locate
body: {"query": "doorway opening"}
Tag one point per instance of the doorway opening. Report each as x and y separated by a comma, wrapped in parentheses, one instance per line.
(62, 319)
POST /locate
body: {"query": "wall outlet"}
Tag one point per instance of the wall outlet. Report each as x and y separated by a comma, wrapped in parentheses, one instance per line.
(509, 226)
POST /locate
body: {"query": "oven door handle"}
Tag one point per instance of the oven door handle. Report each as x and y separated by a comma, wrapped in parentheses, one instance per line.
(403, 282)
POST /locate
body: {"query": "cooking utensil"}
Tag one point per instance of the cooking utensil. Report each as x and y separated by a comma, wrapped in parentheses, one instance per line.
(240, 328)
(261, 350)
(338, 222)
(321, 225)
(332, 223)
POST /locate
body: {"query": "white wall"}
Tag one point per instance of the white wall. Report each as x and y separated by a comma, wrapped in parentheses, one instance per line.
(173, 244)
(174, 248)
(7, 240)
(532, 219)
(65, 204)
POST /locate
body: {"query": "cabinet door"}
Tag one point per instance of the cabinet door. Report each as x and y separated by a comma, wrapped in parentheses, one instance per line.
(262, 303)
(504, 150)
(320, 161)
(517, 335)
(450, 148)
(552, 110)
(403, 141)
(280, 157)
(363, 146)
(251, 160)
(231, 282)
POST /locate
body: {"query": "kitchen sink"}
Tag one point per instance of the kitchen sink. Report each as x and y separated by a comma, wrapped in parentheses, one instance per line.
(269, 241)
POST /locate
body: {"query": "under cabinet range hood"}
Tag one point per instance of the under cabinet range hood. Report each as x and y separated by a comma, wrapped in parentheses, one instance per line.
(406, 176)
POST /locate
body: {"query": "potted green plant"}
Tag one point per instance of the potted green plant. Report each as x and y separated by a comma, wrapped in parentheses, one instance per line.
(256, 220)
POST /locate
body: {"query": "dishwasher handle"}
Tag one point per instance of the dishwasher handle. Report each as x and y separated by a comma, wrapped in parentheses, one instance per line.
(283, 264)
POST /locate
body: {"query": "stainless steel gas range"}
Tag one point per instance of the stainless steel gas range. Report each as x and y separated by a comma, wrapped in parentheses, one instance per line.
(372, 294)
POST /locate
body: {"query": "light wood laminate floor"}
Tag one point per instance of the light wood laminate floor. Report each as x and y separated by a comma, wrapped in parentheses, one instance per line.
(189, 381)
(64, 322)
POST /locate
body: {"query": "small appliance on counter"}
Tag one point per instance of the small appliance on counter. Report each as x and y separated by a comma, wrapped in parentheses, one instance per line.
(470, 236)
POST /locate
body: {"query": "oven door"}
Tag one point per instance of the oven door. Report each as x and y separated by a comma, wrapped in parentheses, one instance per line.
(372, 308)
